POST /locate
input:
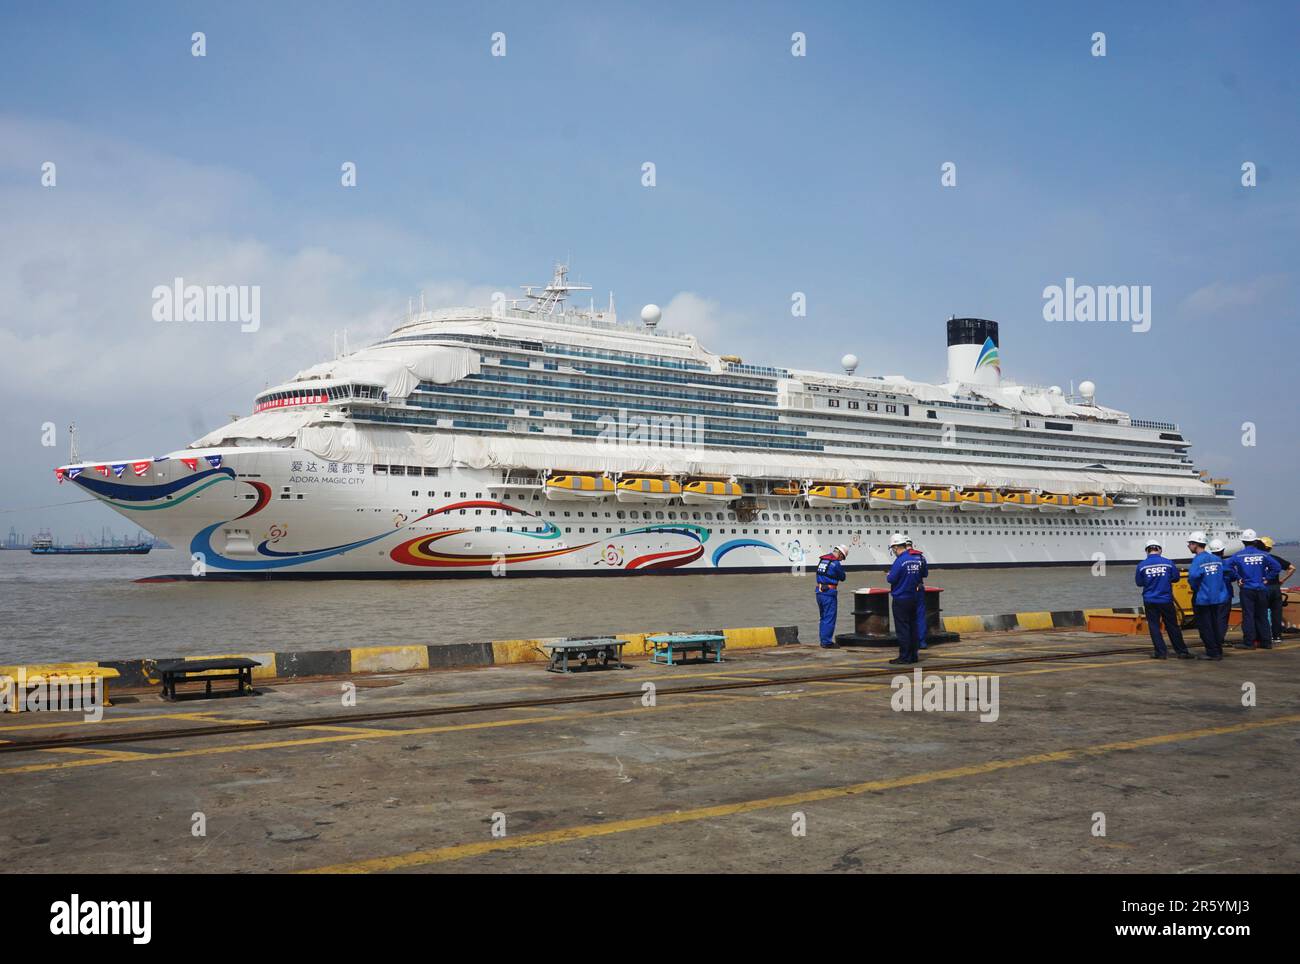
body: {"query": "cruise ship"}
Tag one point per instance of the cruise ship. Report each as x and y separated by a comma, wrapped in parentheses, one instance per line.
(532, 437)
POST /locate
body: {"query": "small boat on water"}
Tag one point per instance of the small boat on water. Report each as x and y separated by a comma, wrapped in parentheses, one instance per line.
(46, 547)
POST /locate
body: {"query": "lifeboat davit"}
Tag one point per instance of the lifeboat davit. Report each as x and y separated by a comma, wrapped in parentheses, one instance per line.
(891, 497)
(710, 491)
(642, 488)
(578, 488)
(829, 496)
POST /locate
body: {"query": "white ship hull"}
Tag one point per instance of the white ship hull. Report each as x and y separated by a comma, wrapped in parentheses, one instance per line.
(287, 512)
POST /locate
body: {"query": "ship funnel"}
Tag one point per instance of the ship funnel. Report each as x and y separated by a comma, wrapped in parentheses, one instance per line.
(973, 351)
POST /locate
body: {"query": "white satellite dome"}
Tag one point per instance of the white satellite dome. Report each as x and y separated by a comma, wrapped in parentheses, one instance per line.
(849, 364)
(1055, 390)
(651, 314)
(1088, 390)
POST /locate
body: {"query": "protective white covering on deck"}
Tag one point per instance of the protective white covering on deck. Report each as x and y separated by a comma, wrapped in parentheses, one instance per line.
(397, 368)
(349, 442)
(267, 426)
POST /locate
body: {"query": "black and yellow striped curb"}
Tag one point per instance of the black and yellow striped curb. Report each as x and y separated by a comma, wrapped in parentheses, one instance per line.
(1010, 622)
(504, 652)
(393, 659)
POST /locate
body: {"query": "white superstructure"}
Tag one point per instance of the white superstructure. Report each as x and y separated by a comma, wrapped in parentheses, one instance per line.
(534, 438)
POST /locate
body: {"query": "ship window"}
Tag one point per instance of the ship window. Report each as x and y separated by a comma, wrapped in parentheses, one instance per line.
(853, 405)
(415, 493)
(380, 469)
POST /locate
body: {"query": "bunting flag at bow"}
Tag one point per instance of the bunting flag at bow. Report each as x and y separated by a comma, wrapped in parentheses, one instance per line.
(192, 464)
(102, 470)
(214, 461)
(58, 474)
(118, 469)
(140, 468)
(73, 473)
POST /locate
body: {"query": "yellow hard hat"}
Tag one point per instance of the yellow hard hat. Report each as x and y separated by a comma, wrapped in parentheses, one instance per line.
(1268, 542)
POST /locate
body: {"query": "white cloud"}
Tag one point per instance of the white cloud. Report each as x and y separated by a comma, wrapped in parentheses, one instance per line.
(703, 317)
(1219, 297)
(78, 265)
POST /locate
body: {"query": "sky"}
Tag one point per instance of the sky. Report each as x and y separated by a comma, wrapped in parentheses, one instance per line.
(774, 174)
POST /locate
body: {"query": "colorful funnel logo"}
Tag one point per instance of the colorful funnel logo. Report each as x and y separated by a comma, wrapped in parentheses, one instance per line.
(989, 356)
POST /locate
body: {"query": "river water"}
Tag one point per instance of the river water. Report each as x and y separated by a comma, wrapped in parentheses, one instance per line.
(87, 607)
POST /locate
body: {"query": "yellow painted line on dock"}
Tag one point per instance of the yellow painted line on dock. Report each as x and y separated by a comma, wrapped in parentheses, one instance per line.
(204, 717)
(746, 679)
(782, 668)
(335, 728)
(102, 756)
(423, 858)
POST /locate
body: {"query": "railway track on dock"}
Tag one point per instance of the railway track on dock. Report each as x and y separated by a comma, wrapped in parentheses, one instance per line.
(351, 719)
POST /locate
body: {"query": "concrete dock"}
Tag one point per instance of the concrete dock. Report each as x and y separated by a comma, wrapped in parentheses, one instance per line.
(789, 774)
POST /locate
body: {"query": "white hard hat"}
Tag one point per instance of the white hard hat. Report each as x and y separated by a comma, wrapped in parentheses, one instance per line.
(1154, 544)
(898, 539)
(842, 550)
(1216, 545)
(1198, 537)
(1249, 535)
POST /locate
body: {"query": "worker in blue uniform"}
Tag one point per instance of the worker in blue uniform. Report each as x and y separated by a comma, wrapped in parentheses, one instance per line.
(830, 573)
(1157, 575)
(906, 579)
(1219, 549)
(1210, 595)
(1275, 583)
(1253, 566)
